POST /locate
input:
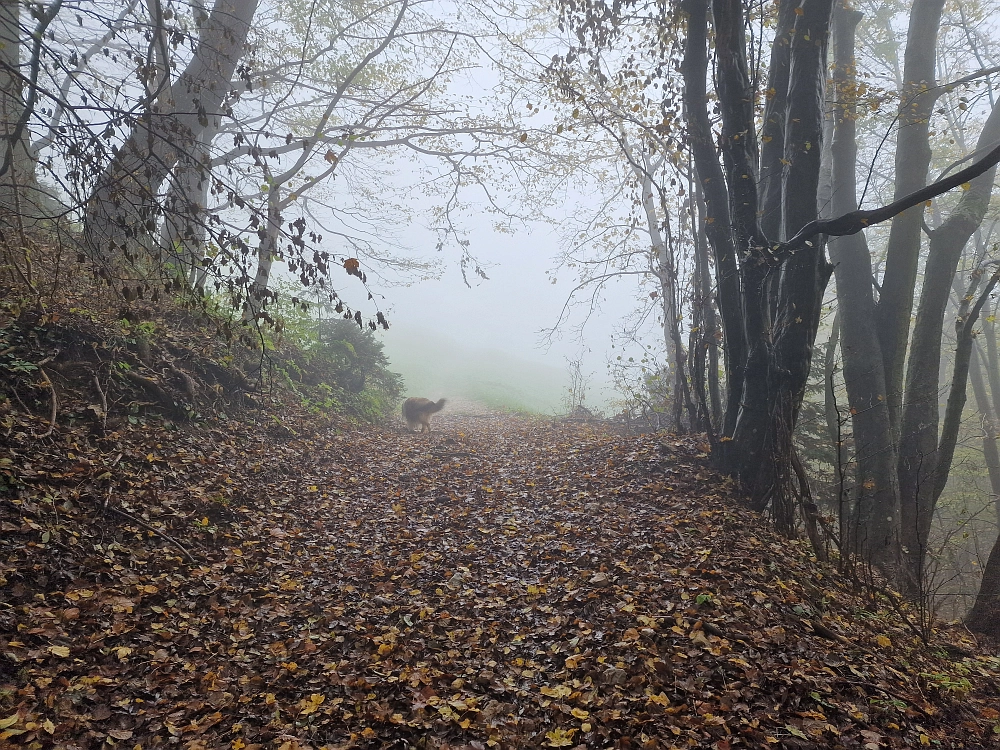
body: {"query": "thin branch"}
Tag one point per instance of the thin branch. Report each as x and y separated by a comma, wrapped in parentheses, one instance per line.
(154, 530)
(38, 35)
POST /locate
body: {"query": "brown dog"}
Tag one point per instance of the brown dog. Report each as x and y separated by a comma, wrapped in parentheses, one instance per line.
(417, 411)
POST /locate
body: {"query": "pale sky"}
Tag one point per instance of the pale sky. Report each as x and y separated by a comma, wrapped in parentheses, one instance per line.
(508, 311)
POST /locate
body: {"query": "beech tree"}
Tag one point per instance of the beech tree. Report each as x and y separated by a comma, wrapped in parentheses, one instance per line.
(190, 146)
(763, 223)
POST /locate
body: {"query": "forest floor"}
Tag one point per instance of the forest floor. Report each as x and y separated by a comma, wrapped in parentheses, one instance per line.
(505, 582)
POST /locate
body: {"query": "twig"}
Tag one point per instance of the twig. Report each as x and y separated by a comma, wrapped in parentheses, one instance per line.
(55, 401)
(104, 400)
(156, 531)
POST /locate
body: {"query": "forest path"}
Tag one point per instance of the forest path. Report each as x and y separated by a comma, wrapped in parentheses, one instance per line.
(500, 582)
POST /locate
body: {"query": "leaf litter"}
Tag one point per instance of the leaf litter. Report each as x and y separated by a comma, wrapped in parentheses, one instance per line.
(503, 582)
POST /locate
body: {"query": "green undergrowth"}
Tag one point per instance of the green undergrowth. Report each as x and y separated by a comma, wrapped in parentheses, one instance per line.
(84, 357)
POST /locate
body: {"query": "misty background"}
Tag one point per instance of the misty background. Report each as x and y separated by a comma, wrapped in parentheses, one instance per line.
(481, 340)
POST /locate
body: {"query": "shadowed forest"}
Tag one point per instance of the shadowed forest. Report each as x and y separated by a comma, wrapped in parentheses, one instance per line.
(261, 486)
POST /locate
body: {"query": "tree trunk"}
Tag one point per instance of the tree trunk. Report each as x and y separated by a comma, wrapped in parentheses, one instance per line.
(804, 276)
(184, 231)
(873, 525)
(20, 197)
(985, 614)
(712, 182)
(763, 435)
(991, 455)
(123, 209)
(267, 252)
(664, 269)
(749, 455)
(705, 346)
(913, 156)
(919, 467)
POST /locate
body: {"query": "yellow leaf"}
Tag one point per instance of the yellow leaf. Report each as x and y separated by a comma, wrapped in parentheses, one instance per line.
(48, 726)
(966, 185)
(883, 641)
(238, 744)
(925, 740)
(572, 662)
(580, 714)
(559, 737)
(9, 721)
(559, 691)
(62, 651)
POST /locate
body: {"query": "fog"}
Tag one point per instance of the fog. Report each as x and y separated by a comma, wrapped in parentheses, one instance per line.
(483, 342)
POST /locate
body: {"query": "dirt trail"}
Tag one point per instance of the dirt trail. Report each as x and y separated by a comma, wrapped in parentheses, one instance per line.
(500, 582)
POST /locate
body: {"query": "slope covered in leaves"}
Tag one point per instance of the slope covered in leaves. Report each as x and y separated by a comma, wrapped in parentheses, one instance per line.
(499, 583)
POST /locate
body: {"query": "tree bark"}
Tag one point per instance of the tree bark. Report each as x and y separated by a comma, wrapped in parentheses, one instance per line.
(919, 466)
(267, 252)
(805, 275)
(781, 354)
(705, 346)
(985, 614)
(874, 516)
(184, 231)
(913, 156)
(23, 204)
(991, 455)
(123, 209)
(712, 182)
(748, 455)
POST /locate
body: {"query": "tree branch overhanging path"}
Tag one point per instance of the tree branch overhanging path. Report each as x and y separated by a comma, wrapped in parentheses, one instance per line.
(856, 221)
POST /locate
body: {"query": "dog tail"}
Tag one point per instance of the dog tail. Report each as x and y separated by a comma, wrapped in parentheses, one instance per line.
(438, 406)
